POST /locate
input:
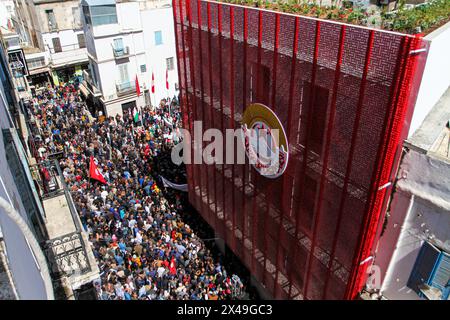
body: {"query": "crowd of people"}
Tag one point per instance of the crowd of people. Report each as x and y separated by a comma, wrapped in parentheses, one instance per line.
(144, 248)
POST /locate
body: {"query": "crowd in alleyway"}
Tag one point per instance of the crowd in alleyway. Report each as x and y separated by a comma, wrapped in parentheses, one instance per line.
(142, 245)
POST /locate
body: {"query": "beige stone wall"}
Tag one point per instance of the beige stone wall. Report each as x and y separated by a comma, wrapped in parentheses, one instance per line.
(64, 15)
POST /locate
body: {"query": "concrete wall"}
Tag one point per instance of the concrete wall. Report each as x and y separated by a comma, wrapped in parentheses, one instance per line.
(68, 39)
(25, 271)
(436, 76)
(420, 209)
(63, 11)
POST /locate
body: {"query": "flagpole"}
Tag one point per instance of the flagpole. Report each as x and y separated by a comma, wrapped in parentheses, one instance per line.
(89, 175)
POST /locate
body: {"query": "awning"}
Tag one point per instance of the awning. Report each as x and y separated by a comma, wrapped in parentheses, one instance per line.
(84, 90)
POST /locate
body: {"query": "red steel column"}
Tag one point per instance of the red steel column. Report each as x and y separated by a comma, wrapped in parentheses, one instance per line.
(291, 103)
(308, 129)
(355, 127)
(327, 145)
(194, 93)
(211, 107)
(244, 104)
(328, 140)
(233, 213)
(186, 109)
(338, 224)
(202, 95)
(255, 174)
(385, 160)
(219, 24)
(273, 107)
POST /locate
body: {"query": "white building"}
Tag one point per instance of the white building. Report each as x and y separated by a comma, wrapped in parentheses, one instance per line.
(51, 35)
(42, 241)
(128, 40)
(21, 276)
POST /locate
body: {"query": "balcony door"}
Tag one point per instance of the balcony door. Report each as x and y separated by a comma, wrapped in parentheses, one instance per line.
(56, 45)
(124, 80)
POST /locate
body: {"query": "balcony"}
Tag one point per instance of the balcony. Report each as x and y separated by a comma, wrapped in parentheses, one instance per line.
(124, 88)
(68, 55)
(68, 250)
(89, 84)
(121, 52)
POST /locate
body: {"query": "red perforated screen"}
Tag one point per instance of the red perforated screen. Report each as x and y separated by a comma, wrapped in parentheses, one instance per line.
(342, 94)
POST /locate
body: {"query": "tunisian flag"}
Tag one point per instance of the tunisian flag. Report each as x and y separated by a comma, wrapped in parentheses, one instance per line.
(167, 79)
(153, 83)
(138, 89)
(173, 267)
(94, 173)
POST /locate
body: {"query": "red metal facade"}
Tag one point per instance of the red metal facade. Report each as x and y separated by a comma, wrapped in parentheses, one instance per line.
(342, 93)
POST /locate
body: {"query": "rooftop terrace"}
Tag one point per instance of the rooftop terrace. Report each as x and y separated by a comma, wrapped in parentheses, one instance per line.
(413, 19)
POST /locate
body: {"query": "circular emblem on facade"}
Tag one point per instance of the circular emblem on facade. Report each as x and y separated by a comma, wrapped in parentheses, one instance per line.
(264, 140)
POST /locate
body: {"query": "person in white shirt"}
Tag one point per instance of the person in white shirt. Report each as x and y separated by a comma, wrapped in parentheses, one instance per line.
(104, 195)
(160, 271)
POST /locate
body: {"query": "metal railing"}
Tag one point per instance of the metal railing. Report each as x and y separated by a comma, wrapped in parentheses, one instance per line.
(66, 48)
(121, 52)
(125, 87)
(67, 255)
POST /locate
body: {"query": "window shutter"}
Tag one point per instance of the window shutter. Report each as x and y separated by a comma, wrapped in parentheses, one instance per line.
(56, 45)
(441, 275)
(423, 267)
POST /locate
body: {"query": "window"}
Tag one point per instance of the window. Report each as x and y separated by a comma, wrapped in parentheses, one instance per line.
(93, 71)
(36, 62)
(87, 15)
(51, 20)
(169, 62)
(118, 46)
(56, 45)
(76, 17)
(81, 40)
(102, 15)
(12, 42)
(158, 38)
(143, 68)
(123, 73)
(431, 269)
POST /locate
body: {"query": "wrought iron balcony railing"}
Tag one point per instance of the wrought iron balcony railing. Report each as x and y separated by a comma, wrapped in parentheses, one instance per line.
(121, 52)
(125, 87)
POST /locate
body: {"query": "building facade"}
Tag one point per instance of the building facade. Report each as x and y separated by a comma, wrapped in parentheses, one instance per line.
(342, 94)
(128, 43)
(43, 246)
(52, 38)
(412, 256)
(17, 281)
(414, 252)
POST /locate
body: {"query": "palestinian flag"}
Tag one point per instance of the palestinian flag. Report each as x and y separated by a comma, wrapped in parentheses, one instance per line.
(135, 115)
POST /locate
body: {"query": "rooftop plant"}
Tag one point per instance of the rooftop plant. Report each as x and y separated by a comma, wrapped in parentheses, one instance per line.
(420, 19)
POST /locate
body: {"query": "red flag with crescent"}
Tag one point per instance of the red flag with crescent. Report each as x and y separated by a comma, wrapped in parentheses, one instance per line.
(94, 173)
